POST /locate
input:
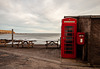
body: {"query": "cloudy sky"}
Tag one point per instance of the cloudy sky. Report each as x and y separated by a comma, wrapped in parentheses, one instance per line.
(42, 16)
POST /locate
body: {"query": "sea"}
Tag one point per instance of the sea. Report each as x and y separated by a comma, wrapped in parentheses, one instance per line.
(40, 38)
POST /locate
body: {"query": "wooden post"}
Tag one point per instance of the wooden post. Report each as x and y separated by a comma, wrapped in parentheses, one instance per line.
(12, 37)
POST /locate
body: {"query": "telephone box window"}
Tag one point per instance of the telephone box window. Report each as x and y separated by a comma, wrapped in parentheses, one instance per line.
(68, 52)
(68, 37)
(67, 30)
(68, 34)
(68, 44)
(68, 41)
(68, 27)
(68, 48)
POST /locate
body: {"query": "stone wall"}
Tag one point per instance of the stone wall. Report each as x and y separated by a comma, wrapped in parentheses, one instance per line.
(95, 41)
(84, 25)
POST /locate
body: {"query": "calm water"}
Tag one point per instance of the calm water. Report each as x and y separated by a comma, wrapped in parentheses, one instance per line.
(40, 37)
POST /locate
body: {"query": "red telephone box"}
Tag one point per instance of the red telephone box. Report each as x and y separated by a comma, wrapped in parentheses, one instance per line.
(68, 38)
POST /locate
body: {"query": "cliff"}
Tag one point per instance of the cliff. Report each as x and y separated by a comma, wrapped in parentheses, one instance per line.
(6, 32)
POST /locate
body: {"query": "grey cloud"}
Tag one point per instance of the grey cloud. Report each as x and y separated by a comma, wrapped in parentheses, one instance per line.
(42, 15)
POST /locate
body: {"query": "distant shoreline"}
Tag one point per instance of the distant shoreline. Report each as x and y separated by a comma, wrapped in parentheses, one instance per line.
(6, 32)
(37, 33)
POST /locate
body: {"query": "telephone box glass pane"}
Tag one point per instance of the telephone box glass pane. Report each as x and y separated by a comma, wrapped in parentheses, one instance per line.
(68, 34)
(68, 37)
(68, 41)
(68, 44)
(68, 28)
(68, 52)
(68, 48)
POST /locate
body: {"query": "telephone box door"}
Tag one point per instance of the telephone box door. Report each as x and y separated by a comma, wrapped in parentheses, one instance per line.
(68, 38)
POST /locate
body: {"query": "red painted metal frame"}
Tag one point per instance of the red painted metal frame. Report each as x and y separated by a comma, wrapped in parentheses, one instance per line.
(63, 38)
